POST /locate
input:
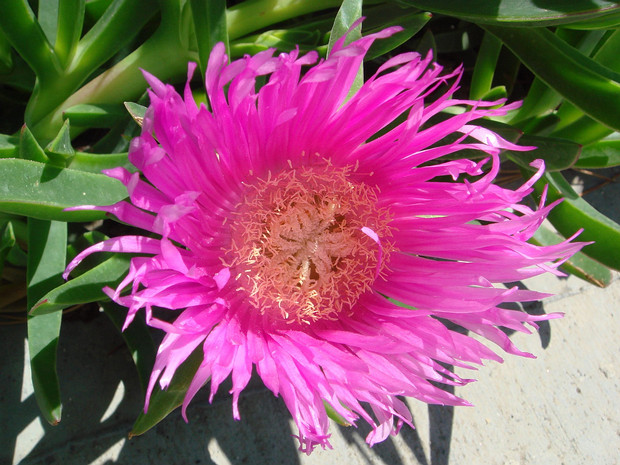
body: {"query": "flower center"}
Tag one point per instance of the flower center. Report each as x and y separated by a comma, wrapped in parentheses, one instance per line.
(308, 242)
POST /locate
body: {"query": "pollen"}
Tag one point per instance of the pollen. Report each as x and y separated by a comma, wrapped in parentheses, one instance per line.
(300, 243)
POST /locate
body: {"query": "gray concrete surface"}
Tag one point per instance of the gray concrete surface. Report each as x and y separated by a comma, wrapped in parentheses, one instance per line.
(561, 408)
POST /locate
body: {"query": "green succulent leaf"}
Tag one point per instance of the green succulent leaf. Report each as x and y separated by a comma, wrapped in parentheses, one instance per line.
(94, 115)
(210, 27)
(136, 111)
(349, 12)
(22, 29)
(9, 146)
(411, 22)
(43, 191)
(591, 87)
(163, 402)
(520, 12)
(575, 213)
(96, 162)
(558, 154)
(29, 148)
(579, 264)
(602, 154)
(46, 262)
(85, 288)
(60, 151)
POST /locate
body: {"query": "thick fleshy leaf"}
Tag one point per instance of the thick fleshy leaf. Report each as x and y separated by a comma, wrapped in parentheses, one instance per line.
(575, 213)
(46, 262)
(60, 151)
(349, 12)
(602, 154)
(136, 111)
(70, 16)
(95, 162)
(94, 115)
(138, 339)
(161, 402)
(6, 59)
(591, 87)
(116, 27)
(411, 22)
(7, 240)
(559, 154)
(85, 288)
(210, 27)
(579, 264)
(520, 12)
(29, 148)
(9, 146)
(43, 191)
(23, 31)
(484, 70)
(331, 413)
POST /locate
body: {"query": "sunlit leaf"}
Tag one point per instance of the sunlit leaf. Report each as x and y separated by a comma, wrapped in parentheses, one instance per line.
(575, 213)
(46, 262)
(85, 288)
(602, 154)
(43, 191)
(94, 115)
(520, 12)
(593, 88)
(579, 264)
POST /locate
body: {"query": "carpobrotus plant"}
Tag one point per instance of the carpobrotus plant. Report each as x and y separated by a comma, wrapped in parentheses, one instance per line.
(321, 241)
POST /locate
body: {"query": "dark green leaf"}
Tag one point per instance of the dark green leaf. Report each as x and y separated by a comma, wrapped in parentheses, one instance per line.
(210, 27)
(558, 154)
(602, 154)
(85, 288)
(593, 88)
(579, 264)
(42, 191)
(575, 213)
(46, 262)
(164, 402)
(520, 12)
(138, 339)
(6, 60)
(412, 23)
(94, 115)
(7, 241)
(24, 32)
(484, 70)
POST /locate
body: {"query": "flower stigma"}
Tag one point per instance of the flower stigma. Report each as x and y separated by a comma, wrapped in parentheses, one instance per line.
(305, 242)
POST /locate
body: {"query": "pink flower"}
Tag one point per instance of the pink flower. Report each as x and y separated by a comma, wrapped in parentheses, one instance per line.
(290, 220)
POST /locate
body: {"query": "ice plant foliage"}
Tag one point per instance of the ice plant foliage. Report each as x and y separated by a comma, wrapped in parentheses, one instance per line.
(289, 219)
